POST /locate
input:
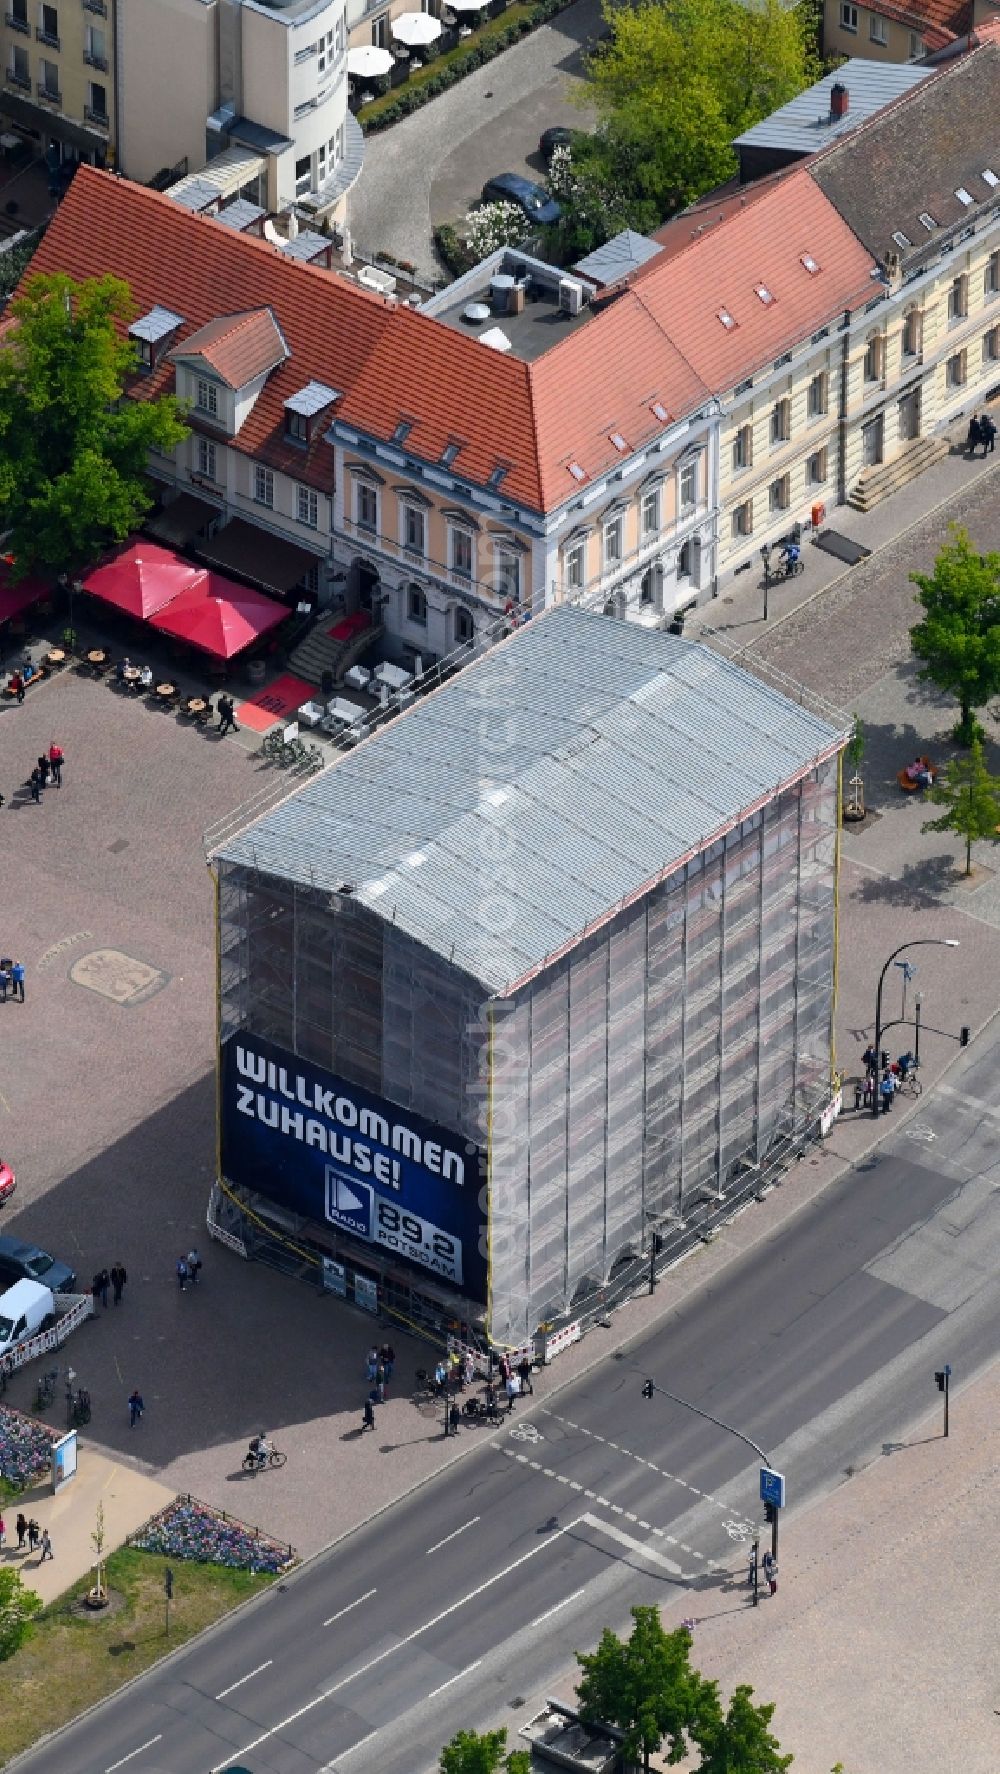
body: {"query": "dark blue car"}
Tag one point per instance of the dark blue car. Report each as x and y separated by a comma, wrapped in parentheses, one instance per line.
(512, 187)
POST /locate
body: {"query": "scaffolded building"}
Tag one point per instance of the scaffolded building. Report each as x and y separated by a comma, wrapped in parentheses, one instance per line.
(578, 910)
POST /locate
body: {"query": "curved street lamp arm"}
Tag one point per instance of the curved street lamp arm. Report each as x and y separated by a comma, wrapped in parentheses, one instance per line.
(719, 1424)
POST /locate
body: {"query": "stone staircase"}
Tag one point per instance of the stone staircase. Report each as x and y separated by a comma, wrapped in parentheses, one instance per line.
(320, 652)
(875, 484)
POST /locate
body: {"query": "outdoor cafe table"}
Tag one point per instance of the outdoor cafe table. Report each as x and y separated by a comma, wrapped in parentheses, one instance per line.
(132, 674)
(56, 657)
(166, 690)
(98, 656)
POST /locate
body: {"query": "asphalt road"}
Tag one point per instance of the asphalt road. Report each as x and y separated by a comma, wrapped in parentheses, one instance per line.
(476, 1590)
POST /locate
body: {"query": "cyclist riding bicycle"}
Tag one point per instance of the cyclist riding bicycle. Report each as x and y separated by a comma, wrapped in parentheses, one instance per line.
(260, 1449)
(790, 553)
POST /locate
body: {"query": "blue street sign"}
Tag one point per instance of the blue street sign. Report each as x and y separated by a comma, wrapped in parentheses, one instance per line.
(772, 1487)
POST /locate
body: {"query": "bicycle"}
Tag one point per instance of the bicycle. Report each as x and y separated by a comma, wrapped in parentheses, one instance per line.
(77, 1407)
(910, 1085)
(46, 1389)
(274, 1459)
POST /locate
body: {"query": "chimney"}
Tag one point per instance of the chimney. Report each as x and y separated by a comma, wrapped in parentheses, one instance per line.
(840, 101)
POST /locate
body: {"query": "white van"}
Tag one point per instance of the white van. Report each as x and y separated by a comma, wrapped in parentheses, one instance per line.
(24, 1310)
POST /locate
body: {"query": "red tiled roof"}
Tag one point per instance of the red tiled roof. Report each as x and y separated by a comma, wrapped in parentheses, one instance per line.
(762, 248)
(938, 21)
(239, 347)
(710, 210)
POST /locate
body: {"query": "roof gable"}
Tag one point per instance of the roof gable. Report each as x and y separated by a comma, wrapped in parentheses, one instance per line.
(238, 347)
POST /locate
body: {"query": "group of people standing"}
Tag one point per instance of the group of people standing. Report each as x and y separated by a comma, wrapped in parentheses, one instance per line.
(882, 1076)
(48, 769)
(982, 431)
(11, 980)
(109, 1281)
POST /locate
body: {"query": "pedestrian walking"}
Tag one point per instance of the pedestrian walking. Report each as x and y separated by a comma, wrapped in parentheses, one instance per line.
(454, 1418)
(388, 1355)
(182, 1273)
(380, 1384)
(372, 1364)
(513, 1387)
(974, 437)
(17, 685)
(525, 1376)
(887, 1090)
(21, 1525)
(43, 769)
(118, 1280)
(33, 1535)
(368, 1420)
(194, 1265)
(135, 1407)
(95, 1287)
(56, 762)
(36, 786)
(102, 1281)
(4, 983)
(46, 1546)
(17, 980)
(227, 715)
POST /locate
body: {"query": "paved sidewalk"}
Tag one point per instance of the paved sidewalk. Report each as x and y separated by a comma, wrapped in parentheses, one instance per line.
(129, 1499)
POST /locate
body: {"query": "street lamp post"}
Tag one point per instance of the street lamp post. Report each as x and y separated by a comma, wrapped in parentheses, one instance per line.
(919, 942)
(765, 555)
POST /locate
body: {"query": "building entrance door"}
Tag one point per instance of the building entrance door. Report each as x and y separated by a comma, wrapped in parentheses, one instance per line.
(871, 441)
(909, 416)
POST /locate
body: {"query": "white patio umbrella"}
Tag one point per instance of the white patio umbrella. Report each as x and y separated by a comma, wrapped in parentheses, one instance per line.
(369, 63)
(466, 5)
(416, 29)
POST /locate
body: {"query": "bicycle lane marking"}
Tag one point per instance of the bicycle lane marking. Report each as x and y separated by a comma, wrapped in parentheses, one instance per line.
(391, 1650)
(640, 1459)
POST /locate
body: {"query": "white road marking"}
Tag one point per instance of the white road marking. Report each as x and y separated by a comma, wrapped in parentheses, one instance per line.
(334, 1766)
(355, 1604)
(390, 1651)
(640, 1459)
(563, 1604)
(634, 1545)
(616, 1509)
(244, 1678)
(134, 1752)
(454, 1678)
(454, 1536)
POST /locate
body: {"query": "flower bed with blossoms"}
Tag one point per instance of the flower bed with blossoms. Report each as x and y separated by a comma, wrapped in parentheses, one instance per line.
(195, 1531)
(25, 1448)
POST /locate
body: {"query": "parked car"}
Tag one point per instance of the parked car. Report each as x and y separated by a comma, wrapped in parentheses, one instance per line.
(28, 1262)
(512, 187)
(8, 1181)
(551, 139)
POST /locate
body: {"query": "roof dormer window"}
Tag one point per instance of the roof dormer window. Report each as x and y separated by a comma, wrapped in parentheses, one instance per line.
(151, 333)
(303, 408)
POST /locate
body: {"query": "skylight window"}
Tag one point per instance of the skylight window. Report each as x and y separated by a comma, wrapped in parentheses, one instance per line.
(763, 294)
(576, 471)
(499, 473)
(964, 196)
(619, 442)
(660, 412)
(902, 240)
(927, 221)
(415, 859)
(497, 797)
(402, 431)
(810, 263)
(449, 453)
(726, 319)
(990, 177)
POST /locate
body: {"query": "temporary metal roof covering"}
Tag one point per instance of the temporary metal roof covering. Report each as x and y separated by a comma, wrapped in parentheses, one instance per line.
(241, 214)
(155, 325)
(311, 399)
(805, 124)
(618, 256)
(562, 773)
(225, 176)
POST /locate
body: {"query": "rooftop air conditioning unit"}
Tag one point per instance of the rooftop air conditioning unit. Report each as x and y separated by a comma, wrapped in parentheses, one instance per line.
(570, 295)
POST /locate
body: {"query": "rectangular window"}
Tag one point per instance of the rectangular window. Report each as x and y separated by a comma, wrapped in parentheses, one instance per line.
(413, 529)
(781, 421)
(958, 300)
(817, 468)
(911, 333)
(508, 575)
(878, 30)
(416, 604)
(48, 30)
(206, 458)
(263, 486)
(95, 52)
(17, 15)
(873, 358)
(955, 370)
(743, 448)
(19, 71)
(296, 426)
(367, 507)
(991, 276)
(97, 107)
(780, 493)
(819, 395)
(650, 516)
(465, 628)
(307, 507)
(49, 81)
(689, 486)
(742, 524)
(303, 176)
(575, 571)
(916, 48)
(613, 543)
(461, 552)
(848, 17)
(207, 397)
(991, 345)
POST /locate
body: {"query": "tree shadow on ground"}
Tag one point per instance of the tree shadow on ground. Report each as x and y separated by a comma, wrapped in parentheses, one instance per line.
(919, 886)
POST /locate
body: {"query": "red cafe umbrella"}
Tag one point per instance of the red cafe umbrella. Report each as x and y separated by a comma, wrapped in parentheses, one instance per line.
(16, 598)
(142, 578)
(219, 616)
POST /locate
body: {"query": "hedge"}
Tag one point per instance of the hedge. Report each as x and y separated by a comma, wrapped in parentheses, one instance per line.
(431, 81)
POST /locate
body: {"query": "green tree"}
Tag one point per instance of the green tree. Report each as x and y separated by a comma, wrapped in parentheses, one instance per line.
(741, 1742)
(972, 798)
(17, 1606)
(73, 451)
(678, 80)
(646, 1687)
(958, 638)
(472, 1753)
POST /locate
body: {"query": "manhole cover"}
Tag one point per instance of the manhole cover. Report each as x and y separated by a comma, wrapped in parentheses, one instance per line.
(118, 845)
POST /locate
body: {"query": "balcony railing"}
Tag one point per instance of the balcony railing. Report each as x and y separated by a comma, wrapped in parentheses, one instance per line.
(98, 117)
(49, 38)
(485, 589)
(51, 96)
(17, 24)
(97, 6)
(96, 61)
(13, 78)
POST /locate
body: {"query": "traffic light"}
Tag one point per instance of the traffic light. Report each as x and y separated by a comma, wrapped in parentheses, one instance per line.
(168, 1582)
(647, 1388)
(770, 1513)
(883, 1059)
(941, 1379)
(965, 1035)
